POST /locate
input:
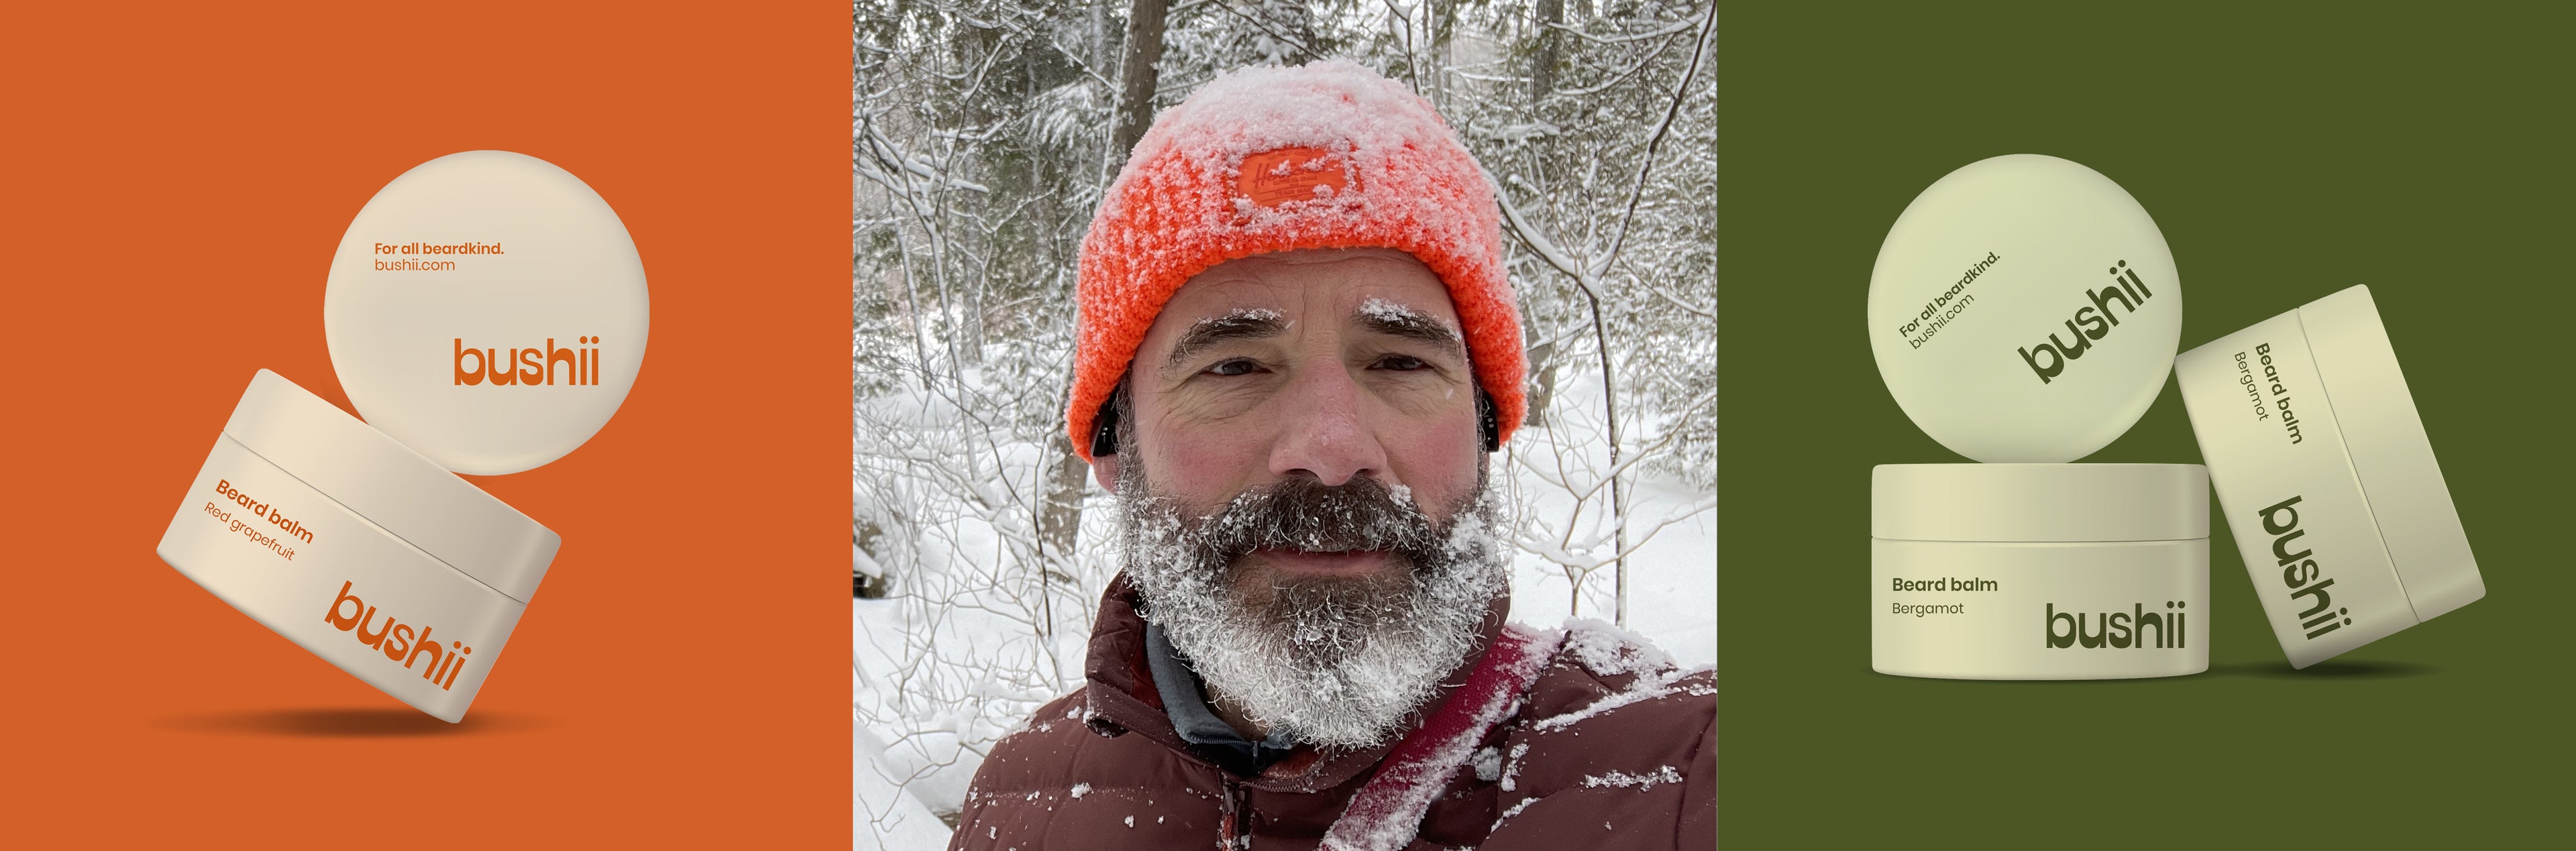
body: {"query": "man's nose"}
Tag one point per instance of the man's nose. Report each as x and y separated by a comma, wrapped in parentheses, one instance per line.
(1324, 431)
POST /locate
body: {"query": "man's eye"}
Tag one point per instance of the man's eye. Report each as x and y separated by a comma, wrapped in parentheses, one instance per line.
(1402, 363)
(1236, 366)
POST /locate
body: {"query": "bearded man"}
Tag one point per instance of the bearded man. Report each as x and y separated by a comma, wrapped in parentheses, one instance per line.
(1297, 350)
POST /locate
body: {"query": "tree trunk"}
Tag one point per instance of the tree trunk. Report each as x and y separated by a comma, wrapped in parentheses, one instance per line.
(1060, 519)
(1100, 36)
(1144, 50)
(1543, 63)
(1542, 364)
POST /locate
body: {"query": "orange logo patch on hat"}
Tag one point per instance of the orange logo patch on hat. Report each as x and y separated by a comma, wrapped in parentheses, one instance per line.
(1281, 175)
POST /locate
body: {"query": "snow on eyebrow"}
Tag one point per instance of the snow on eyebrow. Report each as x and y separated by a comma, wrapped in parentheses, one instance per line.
(1237, 324)
(1387, 311)
(1243, 313)
(1386, 317)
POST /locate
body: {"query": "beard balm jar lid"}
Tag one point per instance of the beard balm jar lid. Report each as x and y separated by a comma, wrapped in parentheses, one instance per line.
(2390, 454)
(2024, 309)
(487, 310)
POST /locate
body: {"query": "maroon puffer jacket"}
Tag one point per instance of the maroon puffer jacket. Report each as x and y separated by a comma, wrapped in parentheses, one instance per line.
(1606, 746)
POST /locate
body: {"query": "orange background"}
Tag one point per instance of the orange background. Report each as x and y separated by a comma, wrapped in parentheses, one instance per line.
(176, 183)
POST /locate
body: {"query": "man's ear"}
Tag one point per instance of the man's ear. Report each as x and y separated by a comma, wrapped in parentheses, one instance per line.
(1104, 425)
(1489, 424)
(1104, 439)
(1104, 469)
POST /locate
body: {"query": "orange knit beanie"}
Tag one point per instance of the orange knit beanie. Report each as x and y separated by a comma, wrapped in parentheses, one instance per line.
(1262, 160)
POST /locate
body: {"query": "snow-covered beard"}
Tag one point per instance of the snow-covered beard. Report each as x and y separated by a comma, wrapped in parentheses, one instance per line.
(1335, 661)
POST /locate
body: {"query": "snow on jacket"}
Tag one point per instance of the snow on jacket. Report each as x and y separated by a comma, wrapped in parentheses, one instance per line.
(1588, 740)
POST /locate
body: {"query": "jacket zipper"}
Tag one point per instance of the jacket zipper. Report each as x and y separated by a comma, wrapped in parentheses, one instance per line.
(1234, 817)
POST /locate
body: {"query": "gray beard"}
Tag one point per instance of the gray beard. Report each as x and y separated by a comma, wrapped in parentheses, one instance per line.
(1333, 661)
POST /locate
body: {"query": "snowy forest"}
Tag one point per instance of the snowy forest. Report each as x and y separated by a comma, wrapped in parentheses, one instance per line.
(984, 133)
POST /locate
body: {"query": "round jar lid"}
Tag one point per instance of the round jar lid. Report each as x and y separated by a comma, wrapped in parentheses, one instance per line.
(2033, 503)
(488, 310)
(2024, 309)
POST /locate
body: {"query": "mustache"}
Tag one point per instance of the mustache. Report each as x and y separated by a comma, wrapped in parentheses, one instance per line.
(1303, 513)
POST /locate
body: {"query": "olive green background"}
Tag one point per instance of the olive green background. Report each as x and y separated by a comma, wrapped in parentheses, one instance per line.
(2285, 154)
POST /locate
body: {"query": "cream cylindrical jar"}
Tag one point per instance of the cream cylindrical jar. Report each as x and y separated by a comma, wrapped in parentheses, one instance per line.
(2039, 571)
(357, 548)
(2327, 478)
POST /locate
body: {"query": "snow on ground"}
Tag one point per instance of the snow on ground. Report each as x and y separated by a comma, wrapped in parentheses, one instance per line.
(977, 668)
(888, 818)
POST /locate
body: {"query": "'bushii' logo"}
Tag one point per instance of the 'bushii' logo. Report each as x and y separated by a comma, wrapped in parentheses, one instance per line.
(2118, 629)
(2091, 322)
(2299, 571)
(527, 367)
(353, 615)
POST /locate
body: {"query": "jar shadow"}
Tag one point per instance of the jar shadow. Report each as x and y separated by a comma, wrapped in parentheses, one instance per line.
(344, 723)
(2332, 669)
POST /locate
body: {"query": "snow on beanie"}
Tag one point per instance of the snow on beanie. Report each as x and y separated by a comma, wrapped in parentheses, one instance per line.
(1263, 160)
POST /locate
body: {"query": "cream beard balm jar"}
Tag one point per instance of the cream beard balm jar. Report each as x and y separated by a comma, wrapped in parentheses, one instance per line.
(2327, 477)
(2039, 571)
(486, 312)
(2024, 312)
